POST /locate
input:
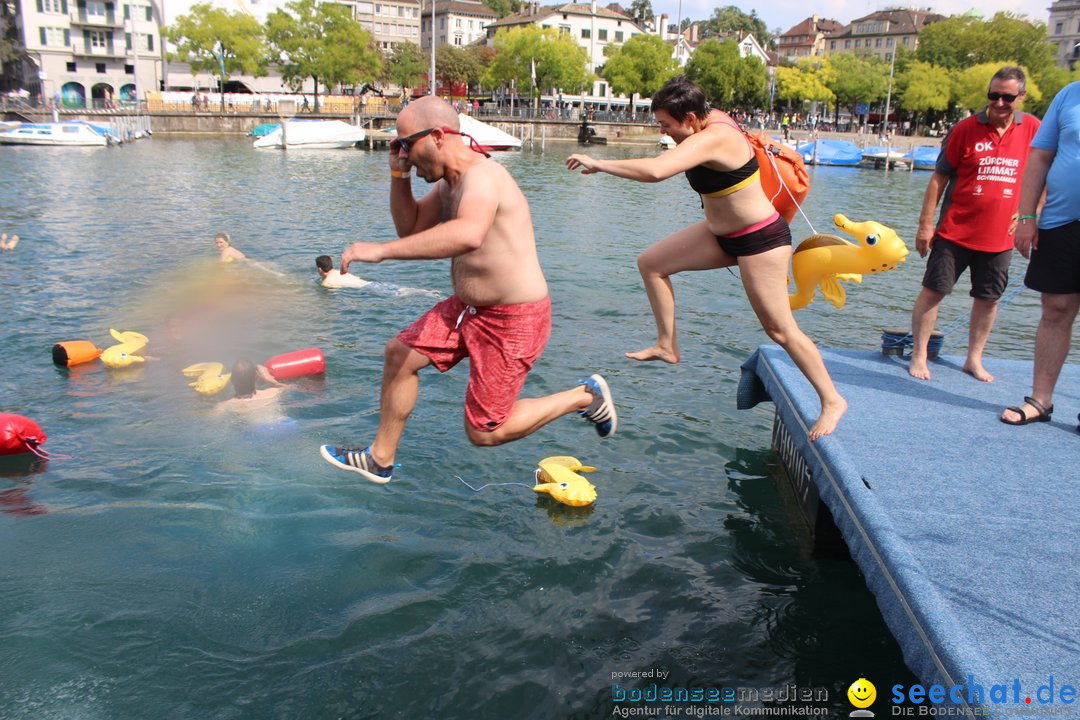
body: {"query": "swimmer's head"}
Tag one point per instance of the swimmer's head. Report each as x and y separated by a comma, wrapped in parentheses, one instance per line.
(679, 98)
(324, 264)
(243, 378)
(222, 240)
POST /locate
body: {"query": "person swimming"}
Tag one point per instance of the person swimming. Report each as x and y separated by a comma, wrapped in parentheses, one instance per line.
(228, 252)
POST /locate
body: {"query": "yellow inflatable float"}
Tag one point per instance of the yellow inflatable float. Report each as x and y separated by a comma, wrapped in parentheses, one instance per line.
(558, 477)
(126, 353)
(826, 260)
(210, 377)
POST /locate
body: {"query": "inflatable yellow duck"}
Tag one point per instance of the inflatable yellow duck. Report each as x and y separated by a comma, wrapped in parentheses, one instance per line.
(210, 377)
(825, 260)
(558, 477)
(126, 353)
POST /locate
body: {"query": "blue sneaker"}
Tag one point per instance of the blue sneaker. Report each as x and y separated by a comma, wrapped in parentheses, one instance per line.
(601, 411)
(358, 461)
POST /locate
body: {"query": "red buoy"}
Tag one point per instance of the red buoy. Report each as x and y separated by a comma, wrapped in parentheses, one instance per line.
(299, 363)
(19, 434)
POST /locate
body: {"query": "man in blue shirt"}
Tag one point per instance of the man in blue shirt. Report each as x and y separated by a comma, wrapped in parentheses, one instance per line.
(1053, 244)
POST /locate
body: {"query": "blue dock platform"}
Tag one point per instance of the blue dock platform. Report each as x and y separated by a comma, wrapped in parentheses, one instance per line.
(966, 529)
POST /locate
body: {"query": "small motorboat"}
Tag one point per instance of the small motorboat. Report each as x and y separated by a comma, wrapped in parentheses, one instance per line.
(75, 133)
(312, 134)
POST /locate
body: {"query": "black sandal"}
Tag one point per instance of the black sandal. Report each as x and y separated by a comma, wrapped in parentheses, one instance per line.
(1043, 416)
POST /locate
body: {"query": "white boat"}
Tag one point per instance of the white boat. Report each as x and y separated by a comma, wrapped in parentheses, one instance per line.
(666, 142)
(75, 133)
(312, 134)
(880, 152)
(487, 136)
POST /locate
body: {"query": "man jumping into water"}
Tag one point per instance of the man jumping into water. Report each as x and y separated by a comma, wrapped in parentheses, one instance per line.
(500, 314)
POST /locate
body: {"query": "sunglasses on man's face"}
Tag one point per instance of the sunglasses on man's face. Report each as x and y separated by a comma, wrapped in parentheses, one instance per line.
(995, 96)
(406, 143)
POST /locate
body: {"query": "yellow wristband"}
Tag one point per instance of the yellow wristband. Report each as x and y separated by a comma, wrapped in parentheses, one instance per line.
(399, 174)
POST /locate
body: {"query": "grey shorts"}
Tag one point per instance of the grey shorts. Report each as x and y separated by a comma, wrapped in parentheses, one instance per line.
(948, 261)
(1055, 263)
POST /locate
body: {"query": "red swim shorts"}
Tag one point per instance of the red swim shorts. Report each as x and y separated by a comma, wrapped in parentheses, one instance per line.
(501, 341)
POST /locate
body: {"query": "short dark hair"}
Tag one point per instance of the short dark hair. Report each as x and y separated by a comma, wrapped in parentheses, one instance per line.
(1011, 72)
(324, 263)
(680, 97)
(243, 378)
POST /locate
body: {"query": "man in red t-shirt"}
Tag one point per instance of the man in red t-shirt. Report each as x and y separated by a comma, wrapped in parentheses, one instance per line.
(978, 170)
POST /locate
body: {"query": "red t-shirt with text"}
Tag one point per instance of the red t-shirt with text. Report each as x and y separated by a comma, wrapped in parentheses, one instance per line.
(985, 169)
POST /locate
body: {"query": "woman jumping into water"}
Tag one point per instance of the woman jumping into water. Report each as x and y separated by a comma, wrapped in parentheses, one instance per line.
(741, 227)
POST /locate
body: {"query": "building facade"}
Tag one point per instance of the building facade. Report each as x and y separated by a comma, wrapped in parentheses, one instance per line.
(594, 28)
(456, 22)
(89, 53)
(880, 33)
(389, 21)
(1063, 31)
(808, 38)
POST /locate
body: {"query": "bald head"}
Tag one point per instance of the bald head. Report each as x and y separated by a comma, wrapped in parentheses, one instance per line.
(431, 111)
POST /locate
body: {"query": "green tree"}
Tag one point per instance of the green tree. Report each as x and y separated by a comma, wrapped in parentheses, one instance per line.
(502, 7)
(730, 18)
(925, 89)
(482, 55)
(972, 83)
(455, 65)
(405, 66)
(857, 79)
(805, 81)
(9, 44)
(219, 42)
(321, 41)
(641, 11)
(729, 81)
(641, 65)
(559, 60)
(963, 41)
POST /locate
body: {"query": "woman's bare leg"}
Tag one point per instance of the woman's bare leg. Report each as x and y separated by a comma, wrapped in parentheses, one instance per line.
(692, 248)
(765, 277)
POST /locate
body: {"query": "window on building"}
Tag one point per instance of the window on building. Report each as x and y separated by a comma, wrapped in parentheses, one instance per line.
(586, 33)
(457, 39)
(378, 9)
(127, 12)
(564, 29)
(601, 89)
(52, 6)
(457, 22)
(97, 39)
(832, 44)
(55, 37)
(905, 41)
(72, 67)
(129, 69)
(618, 36)
(888, 42)
(847, 44)
(442, 23)
(149, 13)
(95, 7)
(364, 8)
(858, 43)
(100, 68)
(1058, 27)
(601, 34)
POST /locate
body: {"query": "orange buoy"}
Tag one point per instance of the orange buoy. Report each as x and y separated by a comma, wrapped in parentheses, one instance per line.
(74, 352)
(299, 363)
(19, 434)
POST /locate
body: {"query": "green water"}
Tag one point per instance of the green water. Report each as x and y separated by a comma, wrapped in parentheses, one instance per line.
(186, 563)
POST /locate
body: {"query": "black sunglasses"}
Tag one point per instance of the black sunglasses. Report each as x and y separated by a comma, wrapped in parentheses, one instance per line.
(405, 144)
(995, 96)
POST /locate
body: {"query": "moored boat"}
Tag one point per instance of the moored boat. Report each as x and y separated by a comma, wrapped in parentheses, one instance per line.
(487, 136)
(71, 134)
(830, 152)
(312, 134)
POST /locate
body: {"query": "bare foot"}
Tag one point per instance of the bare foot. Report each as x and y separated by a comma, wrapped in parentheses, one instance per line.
(831, 413)
(918, 369)
(977, 371)
(655, 353)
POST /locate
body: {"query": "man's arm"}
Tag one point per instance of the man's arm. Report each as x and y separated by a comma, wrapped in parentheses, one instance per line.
(410, 216)
(1031, 190)
(925, 234)
(466, 232)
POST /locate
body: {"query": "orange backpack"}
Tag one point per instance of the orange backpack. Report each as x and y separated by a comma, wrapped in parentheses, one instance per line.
(783, 173)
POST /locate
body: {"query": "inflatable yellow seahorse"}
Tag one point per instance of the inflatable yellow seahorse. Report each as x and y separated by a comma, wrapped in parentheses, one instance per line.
(210, 377)
(126, 353)
(826, 260)
(558, 477)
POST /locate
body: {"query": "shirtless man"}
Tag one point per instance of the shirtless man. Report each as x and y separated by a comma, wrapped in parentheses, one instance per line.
(500, 314)
(331, 278)
(228, 252)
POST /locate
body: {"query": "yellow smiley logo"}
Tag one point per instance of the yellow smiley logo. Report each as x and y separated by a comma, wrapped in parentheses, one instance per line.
(862, 693)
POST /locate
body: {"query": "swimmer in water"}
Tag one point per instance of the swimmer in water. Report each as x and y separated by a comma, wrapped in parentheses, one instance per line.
(332, 278)
(228, 252)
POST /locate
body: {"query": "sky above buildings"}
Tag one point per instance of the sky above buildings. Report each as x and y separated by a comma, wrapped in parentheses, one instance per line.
(786, 13)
